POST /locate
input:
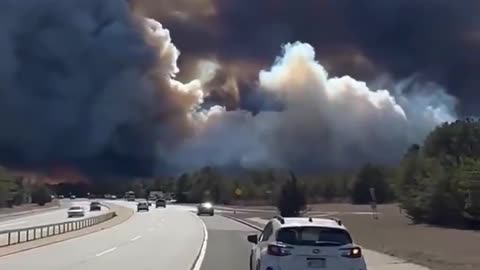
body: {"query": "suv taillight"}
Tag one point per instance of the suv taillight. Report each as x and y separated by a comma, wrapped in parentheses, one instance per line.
(278, 250)
(353, 253)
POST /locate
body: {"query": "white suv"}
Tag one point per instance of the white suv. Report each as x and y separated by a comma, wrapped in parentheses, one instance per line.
(305, 243)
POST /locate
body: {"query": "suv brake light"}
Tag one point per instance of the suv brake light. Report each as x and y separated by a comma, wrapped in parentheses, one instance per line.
(353, 253)
(279, 250)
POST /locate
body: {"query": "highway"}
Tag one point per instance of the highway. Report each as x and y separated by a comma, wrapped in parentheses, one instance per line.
(159, 239)
(171, 238)
(48, 217)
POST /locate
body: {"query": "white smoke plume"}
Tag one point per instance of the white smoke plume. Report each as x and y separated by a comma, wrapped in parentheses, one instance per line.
(327, 123)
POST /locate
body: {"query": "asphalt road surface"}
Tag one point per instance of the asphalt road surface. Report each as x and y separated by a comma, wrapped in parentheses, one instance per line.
(227, 246)
(171, 238)
(159, 239)
(48, 217)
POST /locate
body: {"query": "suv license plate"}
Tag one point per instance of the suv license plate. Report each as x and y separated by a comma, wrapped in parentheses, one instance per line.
(316, 263)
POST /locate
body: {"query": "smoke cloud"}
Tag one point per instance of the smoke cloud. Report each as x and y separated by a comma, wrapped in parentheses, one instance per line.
(327, 123)
(93, 85)
(363, 38)
(89, 84)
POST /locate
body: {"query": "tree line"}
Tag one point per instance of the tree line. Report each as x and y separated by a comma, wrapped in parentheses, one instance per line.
(436, 182)
(15, 190)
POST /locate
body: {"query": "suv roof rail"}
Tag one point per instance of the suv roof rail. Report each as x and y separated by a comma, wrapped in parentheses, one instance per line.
(339, 222)
(280, 219)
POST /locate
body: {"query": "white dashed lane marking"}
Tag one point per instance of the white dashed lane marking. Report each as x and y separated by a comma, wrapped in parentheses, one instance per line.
(105, 252)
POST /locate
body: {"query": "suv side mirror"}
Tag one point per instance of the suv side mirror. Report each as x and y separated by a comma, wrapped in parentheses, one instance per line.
(252, 238)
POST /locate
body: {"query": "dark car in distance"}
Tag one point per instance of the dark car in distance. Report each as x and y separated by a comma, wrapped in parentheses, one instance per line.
(95, 206)
(142, 206)
(161, 203)
(205, 208)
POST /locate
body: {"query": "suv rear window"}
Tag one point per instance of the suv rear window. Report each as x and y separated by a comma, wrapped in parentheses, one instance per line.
(313, 236)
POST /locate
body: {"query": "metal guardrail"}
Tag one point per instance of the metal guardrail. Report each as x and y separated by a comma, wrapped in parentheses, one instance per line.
(22, 235)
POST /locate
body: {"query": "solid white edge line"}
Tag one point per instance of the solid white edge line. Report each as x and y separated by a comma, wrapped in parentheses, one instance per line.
(136, 238)
(105, 252)
(198, 263)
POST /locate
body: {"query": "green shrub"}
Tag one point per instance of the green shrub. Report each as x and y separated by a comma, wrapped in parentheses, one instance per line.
(292, 198)
(371, 177)
(41, 195)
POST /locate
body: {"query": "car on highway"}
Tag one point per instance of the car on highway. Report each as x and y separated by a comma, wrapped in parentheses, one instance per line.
(142, 206)
(61, 197)
(114, 197)
(73, 197)
(76, 211)
(305, 243)
(95, 206)
(205, 208)
(161, 203)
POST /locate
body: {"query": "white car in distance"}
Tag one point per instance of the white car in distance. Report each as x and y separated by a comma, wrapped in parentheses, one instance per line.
(305, 244)
(76, 211)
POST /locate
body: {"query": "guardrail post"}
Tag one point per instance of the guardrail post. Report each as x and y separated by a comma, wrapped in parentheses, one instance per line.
(57, 228)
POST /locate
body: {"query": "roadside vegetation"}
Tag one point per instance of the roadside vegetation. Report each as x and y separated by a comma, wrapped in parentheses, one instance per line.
(14, 190)
(437, 182)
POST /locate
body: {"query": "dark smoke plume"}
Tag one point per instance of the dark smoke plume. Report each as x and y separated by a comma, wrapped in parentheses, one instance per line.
(437, 38)
(83, 84)
(95, 86)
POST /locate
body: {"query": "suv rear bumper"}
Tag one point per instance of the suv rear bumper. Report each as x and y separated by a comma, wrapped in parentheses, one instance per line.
(205, 212)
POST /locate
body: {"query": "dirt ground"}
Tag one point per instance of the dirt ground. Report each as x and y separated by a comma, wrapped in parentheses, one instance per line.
(393, 233)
